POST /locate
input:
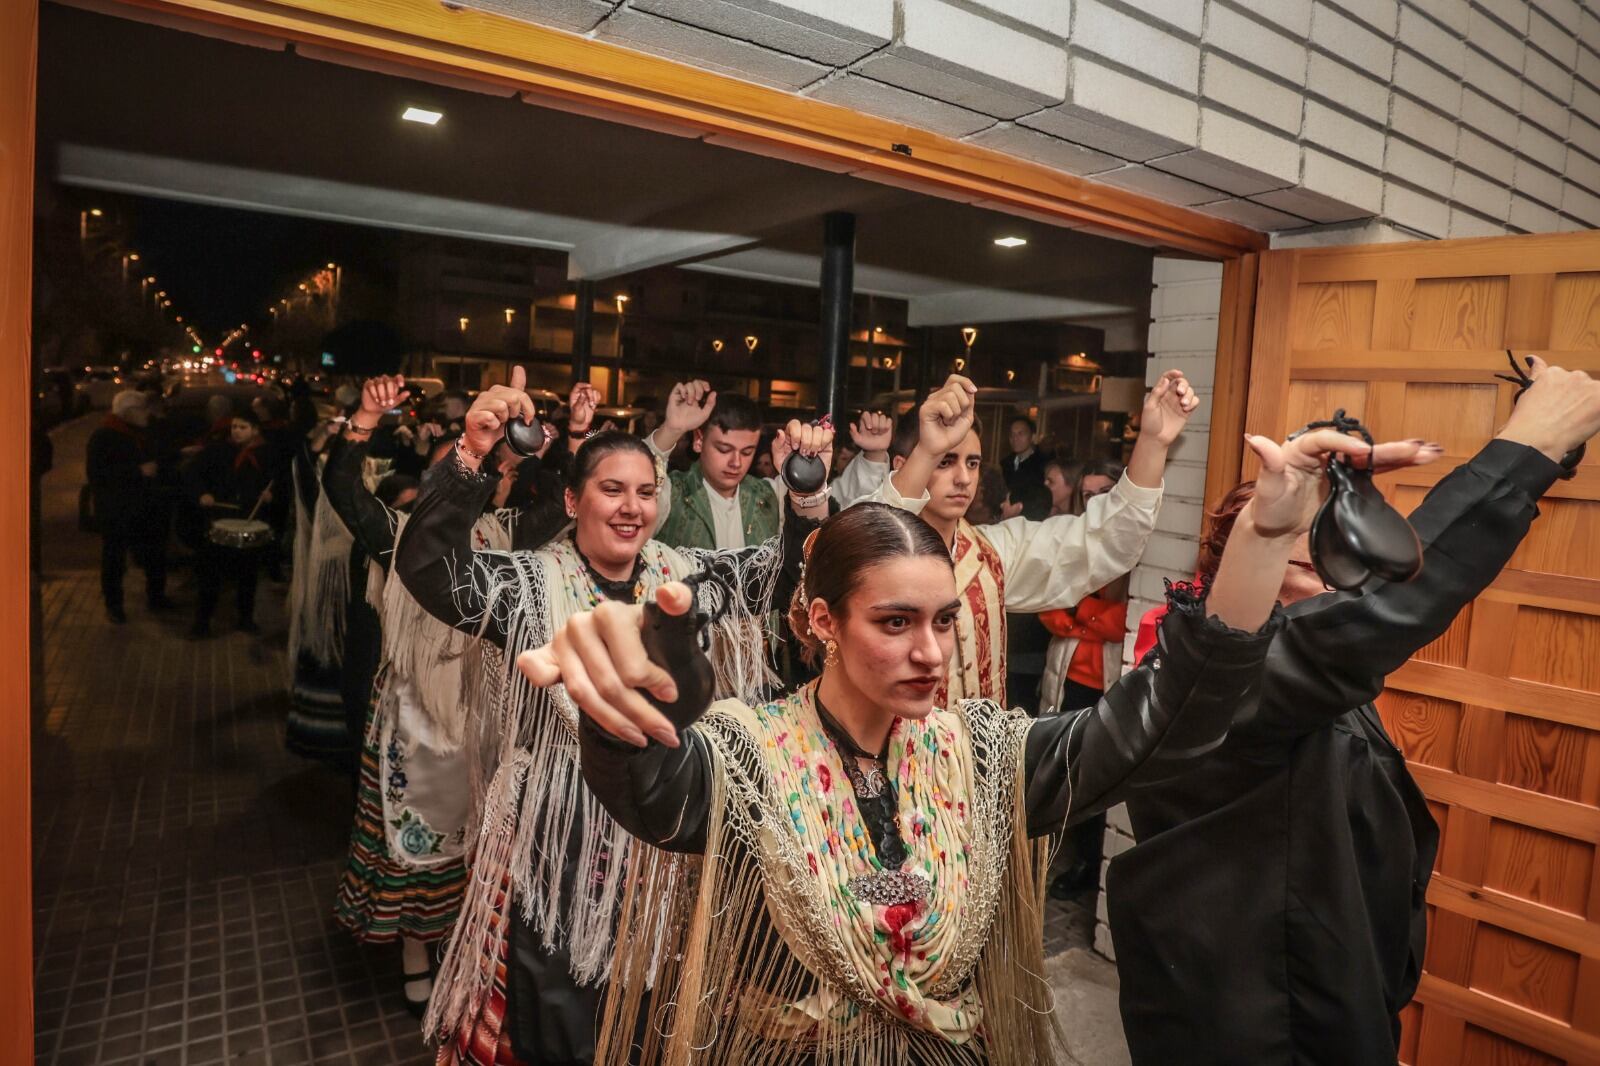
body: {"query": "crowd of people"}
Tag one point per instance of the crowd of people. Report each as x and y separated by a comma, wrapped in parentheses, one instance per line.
(661, 758)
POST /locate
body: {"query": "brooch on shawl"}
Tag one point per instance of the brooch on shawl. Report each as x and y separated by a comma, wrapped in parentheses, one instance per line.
(889, 888)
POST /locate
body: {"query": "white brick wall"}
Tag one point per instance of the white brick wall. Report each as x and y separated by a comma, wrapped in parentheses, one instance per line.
(1183, 335)
(1441, 117)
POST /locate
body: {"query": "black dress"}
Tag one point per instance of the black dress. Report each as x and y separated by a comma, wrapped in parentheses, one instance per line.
(1273, 909)
(550, 1018)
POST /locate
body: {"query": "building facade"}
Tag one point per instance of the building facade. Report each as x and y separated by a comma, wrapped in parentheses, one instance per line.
(1387, 119)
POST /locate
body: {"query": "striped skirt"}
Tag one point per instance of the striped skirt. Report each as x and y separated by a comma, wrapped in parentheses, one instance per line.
(316, 727)
(381, 899)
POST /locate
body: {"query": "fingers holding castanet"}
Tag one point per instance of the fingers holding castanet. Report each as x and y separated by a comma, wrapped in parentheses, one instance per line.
(609, 643)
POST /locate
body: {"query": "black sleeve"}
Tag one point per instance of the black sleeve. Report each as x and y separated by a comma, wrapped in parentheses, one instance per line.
(372, 524)
(435, 558)
(660, 795)
(1152, 724)
(1336, 650)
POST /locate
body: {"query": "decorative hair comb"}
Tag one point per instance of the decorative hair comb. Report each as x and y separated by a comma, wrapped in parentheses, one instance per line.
(1356, 535)
(1570, 461)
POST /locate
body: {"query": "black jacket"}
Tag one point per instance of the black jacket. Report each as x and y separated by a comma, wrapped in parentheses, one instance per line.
(1272, 911)
(125, 500)
(549, 1017)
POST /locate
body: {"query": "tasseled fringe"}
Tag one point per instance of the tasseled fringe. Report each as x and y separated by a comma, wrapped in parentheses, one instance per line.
(466, 970)
(699, 953)
(529, 794)
(436, 658)
(321, 585)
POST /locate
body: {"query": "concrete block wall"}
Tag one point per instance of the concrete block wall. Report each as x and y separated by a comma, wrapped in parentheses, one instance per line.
(1183, 336)
(1437, 118)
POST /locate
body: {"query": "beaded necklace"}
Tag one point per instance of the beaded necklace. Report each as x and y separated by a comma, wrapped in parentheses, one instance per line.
(629, 590)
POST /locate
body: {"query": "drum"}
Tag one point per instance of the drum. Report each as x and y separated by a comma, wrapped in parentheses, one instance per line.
(240, 533)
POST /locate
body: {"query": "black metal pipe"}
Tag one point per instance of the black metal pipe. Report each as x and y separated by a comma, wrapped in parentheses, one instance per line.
(838, 283)
(582, 329)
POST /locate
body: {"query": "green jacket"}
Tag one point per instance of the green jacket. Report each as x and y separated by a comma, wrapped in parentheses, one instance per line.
(689, 525)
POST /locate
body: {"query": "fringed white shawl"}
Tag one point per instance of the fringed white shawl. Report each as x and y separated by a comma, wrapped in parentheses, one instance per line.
(320, 584)
(533, 792)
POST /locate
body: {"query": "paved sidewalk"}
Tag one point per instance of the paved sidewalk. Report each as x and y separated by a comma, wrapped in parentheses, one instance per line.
(184, 862)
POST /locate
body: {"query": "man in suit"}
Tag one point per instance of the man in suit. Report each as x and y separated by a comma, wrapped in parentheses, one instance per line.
(1024, 467)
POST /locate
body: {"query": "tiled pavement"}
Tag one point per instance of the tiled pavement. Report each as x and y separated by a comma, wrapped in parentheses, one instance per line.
(184, 862)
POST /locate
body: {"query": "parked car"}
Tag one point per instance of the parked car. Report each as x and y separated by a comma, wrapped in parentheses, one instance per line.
(100, 383)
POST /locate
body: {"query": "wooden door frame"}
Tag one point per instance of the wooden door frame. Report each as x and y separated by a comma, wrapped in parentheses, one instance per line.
(19, 36)
(570, 73)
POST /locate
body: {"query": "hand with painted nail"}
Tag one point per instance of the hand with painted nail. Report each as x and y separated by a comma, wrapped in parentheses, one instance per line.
(1559, 412)
(1293, 482)
(600, 657)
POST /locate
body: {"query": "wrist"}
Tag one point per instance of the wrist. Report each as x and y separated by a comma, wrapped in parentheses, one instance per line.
(471, 453)
(876, 457)
(1553, 450)
(1249, 523)
(806, 503)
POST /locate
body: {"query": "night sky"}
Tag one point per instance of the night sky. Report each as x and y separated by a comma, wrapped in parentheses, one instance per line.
(222, 266)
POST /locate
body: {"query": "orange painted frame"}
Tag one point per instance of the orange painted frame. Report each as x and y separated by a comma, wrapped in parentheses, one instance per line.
(19, 37)
(559, 70)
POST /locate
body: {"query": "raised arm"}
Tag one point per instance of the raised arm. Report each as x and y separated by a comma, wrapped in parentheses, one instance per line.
(435, 558)
(1154, 722)
(1336, 651)
(372, 524)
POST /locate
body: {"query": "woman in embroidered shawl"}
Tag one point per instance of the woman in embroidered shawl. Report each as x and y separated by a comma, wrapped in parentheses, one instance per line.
(405, 874)
(869, 874)
(528, 985)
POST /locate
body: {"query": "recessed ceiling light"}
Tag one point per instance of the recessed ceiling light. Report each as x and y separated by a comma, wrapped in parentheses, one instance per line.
(1011, 242)
(422, 115)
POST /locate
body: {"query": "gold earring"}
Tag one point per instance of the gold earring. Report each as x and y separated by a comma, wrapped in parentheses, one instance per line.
(832, 658)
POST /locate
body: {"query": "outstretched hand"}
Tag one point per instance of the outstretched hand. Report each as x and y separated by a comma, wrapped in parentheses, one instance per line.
(581, 404)
(689, 407)
(1293, 482)
(599, 656)
(495, 406)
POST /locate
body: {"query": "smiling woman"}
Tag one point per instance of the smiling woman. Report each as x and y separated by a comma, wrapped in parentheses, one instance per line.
(541, 842)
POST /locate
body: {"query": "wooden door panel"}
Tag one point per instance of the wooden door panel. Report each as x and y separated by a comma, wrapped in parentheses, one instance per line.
(1500, 717)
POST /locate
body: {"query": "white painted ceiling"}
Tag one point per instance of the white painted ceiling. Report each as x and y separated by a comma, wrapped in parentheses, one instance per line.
(137, 108)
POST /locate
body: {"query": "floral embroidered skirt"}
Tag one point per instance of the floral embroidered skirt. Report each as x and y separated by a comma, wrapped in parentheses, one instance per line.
(380, 897)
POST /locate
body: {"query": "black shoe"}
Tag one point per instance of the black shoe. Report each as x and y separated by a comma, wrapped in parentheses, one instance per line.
(1073, 880)
(116, 614)
(248, 625)
(200, 631)
(417, 1008)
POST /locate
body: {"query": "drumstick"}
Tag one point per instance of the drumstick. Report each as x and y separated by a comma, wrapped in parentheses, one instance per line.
(259, 501)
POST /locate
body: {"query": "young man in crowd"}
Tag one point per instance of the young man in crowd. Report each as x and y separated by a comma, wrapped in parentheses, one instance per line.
(1019, 564)
(714, 503)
